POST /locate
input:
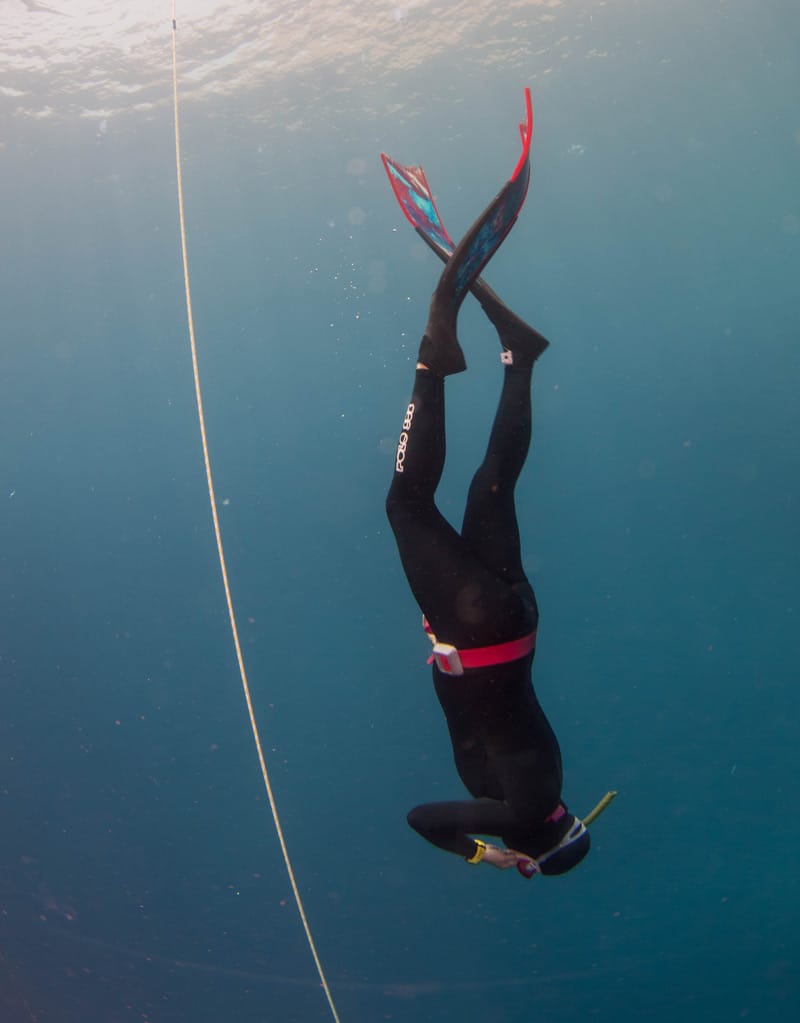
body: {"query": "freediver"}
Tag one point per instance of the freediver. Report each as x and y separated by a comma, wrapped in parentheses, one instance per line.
(478, 605)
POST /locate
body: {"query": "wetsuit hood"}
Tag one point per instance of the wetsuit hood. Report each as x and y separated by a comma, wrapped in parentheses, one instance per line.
(557, 851)
(567, 857)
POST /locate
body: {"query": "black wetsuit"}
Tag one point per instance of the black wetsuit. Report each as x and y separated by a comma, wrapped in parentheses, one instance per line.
(473, 590)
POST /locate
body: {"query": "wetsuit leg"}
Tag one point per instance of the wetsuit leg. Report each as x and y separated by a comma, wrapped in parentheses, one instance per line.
(490, 521)
(466, 603)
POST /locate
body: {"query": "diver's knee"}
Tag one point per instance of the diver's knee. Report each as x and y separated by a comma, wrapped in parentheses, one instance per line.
(398, 509)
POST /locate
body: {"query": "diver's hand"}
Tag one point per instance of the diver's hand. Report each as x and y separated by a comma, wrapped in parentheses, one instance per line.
(501, 858)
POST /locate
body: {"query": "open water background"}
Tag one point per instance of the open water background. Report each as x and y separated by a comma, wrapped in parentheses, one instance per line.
(140, 876)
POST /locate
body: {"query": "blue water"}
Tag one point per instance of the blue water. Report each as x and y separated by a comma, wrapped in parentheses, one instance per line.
(140, 875)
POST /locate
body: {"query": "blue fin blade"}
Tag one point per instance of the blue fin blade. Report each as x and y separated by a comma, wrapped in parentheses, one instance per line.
(414, 195)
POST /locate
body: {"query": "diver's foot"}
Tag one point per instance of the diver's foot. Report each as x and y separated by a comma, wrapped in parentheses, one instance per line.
(441, 357)
(439, 349)
(522, 345)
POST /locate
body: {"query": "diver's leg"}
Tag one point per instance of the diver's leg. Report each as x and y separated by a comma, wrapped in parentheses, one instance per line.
(421, 448)
(490, 525)
(427, 543)
(464, 601)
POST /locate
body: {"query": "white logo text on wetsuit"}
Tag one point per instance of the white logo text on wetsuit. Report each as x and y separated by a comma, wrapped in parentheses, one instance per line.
(403, 442)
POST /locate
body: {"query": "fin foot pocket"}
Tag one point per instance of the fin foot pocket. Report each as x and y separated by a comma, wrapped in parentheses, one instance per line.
(519, 338)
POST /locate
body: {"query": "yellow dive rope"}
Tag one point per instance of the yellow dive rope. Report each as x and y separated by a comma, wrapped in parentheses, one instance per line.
(218, 535)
